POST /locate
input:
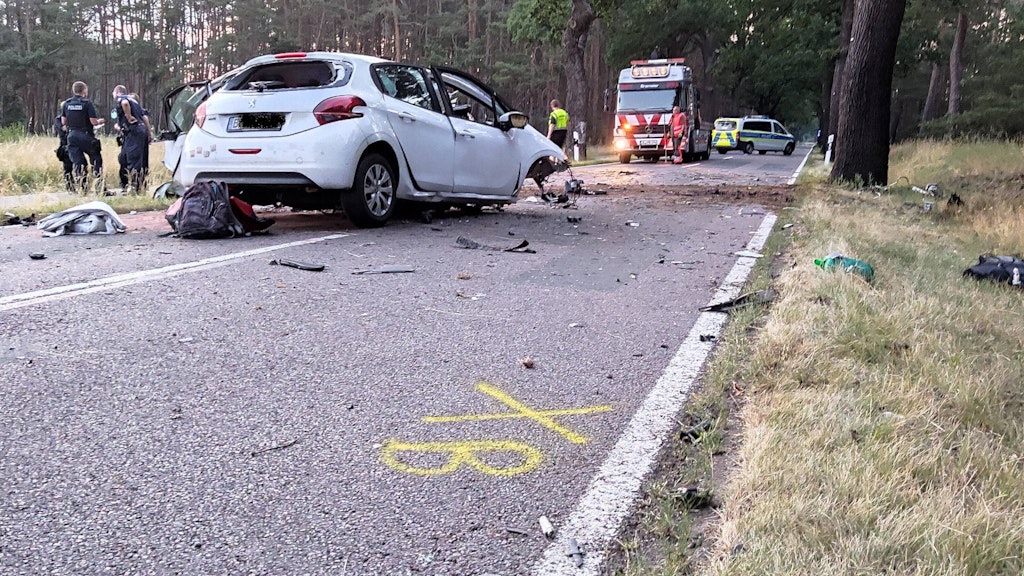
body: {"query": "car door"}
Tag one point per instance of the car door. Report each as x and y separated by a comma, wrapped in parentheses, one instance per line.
(487, 158)
(178, 115)
(782, 136)
(424, 132)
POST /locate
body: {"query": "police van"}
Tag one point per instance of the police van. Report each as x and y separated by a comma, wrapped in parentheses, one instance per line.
(751, 133)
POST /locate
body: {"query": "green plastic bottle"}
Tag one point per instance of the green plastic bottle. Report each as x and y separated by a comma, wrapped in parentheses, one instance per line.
(836, 261)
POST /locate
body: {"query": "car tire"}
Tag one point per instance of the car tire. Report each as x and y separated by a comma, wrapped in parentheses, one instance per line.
(748, 148)
(624, 158)
(789, 149)
(706, 155)
(721, 151)
(371, 201)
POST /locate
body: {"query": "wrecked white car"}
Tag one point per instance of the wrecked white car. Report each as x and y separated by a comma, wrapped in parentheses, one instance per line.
(330, 130)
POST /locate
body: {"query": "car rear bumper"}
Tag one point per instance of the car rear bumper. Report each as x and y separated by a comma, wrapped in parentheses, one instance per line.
(321, 158)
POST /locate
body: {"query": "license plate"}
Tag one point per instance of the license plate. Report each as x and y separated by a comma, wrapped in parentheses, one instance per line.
(256, 121)
(648, 142)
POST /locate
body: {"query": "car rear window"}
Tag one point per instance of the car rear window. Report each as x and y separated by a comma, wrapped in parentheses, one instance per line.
(290, 75)
(725, 125)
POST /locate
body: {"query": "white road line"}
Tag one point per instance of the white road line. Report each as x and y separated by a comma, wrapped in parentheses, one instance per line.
(796, 174)
(614, 490)
(117, 281)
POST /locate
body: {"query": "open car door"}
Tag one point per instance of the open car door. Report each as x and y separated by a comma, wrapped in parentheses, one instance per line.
(178, 115)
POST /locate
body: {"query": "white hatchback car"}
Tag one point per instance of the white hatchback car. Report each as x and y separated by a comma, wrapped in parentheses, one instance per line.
(328, 130)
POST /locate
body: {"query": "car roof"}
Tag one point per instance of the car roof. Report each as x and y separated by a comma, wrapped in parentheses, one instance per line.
(336, 56)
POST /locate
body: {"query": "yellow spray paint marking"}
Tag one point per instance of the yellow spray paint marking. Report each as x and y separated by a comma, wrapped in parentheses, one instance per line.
(462, 454)
(543, 417)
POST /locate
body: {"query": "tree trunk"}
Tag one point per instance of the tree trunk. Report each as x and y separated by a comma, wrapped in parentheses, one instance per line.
(845, 34)
(956, 65)
(574, 43)
(825, 108)
(931, 102)
(398, 32)
(862, 138)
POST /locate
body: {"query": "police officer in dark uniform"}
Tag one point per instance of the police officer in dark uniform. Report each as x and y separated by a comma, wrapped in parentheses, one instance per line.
(136, 136)
(78, 118)
(62, 154)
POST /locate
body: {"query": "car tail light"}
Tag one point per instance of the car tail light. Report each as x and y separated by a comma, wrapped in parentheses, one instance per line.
(290, 55)
(337, 108)
(200, 117)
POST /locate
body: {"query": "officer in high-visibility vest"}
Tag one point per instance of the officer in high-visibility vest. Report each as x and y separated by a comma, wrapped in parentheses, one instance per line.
(558, 124)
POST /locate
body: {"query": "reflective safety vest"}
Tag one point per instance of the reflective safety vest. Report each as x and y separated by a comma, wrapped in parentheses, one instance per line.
(560, 119)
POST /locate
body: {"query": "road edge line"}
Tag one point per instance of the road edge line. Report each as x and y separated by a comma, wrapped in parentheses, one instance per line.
(800, 169)
(614, 490)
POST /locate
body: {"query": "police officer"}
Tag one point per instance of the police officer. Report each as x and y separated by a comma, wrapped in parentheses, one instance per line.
(78, 118)
(62, 154)
(136, 136)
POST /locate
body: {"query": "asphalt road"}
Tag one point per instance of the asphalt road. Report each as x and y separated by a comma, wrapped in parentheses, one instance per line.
(186, 407)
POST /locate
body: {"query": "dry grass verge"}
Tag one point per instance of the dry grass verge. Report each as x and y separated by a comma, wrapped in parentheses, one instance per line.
(30, 166)
(881, 424)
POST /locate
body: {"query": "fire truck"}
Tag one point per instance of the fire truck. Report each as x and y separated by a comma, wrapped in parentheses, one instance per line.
(648, 90)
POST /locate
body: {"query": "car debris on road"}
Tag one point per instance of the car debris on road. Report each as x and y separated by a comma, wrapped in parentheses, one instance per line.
(300, 265)
(469, 244)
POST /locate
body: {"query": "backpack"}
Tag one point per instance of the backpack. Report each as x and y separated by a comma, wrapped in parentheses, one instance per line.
(204, 211)
(999, 269)
(247, 216)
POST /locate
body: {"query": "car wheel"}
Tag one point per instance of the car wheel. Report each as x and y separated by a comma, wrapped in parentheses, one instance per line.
(624, 158)
(721, 151)
(706, 155)
(371, 201)
(748, 148)
(789, 149)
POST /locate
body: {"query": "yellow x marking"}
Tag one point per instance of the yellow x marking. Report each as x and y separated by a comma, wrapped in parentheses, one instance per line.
(543, 417)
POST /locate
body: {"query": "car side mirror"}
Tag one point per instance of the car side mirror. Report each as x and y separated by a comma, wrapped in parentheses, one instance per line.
(510, 120)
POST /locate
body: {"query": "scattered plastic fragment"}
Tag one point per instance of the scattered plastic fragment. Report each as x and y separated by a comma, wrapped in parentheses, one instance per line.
(758, 297)
(693, 433)
(387, 269)
(546, 527)
(469, 244)
(37, 256)
(298, 265)
(527, 362)
(574, 552)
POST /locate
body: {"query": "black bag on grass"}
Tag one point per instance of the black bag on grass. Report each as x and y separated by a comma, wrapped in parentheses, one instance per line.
(204, 211)
(998, 269)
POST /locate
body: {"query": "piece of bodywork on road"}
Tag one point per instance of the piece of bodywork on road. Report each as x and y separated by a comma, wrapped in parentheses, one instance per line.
(387, 269)
(757, 297)
(470, 244)
(90, 218)
(299, 265)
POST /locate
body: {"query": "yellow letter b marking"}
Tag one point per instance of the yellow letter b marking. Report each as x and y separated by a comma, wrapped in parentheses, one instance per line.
(507, 458)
